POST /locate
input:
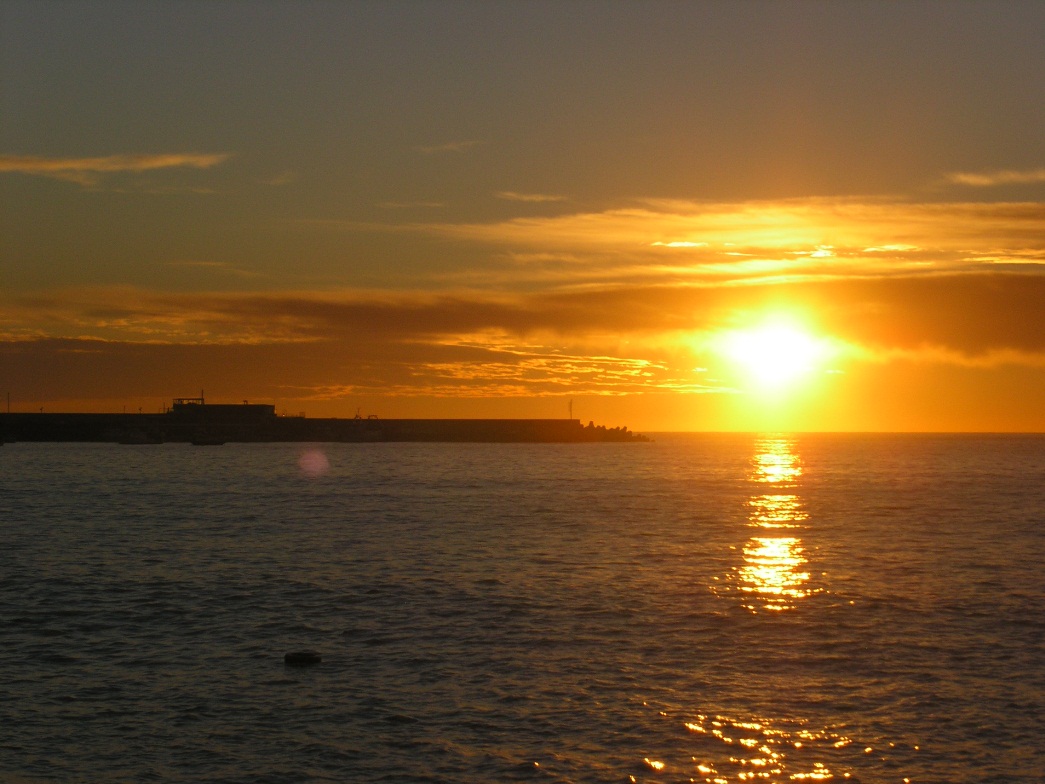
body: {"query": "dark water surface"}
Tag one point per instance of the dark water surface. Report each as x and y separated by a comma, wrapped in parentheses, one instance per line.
(702, 608)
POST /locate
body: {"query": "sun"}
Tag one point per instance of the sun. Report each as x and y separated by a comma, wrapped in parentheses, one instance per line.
(775, 354)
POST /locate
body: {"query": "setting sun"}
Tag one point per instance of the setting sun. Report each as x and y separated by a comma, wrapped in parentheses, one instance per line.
(494, 390)
(774, 354)
(729, 253)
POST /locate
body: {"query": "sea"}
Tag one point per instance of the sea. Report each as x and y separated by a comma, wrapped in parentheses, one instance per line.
(702, 608)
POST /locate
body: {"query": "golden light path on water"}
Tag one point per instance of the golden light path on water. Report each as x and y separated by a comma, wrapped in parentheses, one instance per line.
(774, 576)
(759, 748)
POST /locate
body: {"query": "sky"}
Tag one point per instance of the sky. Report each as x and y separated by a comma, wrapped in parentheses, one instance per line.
(809, 216)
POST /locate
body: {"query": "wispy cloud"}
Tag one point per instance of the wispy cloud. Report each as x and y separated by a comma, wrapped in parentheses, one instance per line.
(609, 342)
(88, 171)
(219, 267)
(615, 301)
(1001, 177)
(973, 314)
(729, 243)
(770, 227)
(451, 147)
(535, 198)
(406, 205)
(659, 242)
(283, 178)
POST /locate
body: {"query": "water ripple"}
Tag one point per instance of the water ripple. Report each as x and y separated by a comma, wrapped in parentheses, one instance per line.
(553, 613)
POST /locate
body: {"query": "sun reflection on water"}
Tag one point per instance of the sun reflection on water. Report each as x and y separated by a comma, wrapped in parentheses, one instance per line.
(766, 750)
(774, 575)
(776, 511)
(772, 572)
(776, 463)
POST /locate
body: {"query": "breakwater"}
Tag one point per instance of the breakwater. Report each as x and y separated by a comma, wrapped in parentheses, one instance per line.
(195, 422)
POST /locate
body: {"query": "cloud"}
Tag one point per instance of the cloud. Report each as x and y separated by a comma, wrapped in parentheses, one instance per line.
(535, 198)
(981, 317)
(436, 149)
(1001, 177)
(283, 178)
(894, 248)
(970, 314)
(621, 301)
(327, 369)
(88, 171)
(601, 342)
(766, 227)
(220, 267)
(660, 241)
(406, 205)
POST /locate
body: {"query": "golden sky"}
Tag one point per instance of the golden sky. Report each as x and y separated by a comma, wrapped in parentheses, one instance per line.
(720, 216)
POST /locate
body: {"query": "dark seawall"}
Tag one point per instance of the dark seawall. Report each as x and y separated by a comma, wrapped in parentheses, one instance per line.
(217, 424)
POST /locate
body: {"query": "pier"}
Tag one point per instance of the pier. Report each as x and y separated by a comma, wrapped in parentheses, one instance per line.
(191, 420)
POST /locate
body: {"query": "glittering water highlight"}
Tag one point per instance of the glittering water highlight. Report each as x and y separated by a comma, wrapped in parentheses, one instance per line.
(710, 608)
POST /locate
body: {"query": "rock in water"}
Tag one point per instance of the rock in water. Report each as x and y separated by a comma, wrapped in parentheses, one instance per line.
(302, 658)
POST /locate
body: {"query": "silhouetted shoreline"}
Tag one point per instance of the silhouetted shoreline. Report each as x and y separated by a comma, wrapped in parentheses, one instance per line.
(190, 420)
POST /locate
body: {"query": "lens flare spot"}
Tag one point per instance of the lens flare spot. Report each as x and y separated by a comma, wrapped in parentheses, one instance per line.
(313, 463)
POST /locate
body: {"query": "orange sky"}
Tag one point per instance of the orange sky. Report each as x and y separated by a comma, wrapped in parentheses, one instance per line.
(453, 210)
